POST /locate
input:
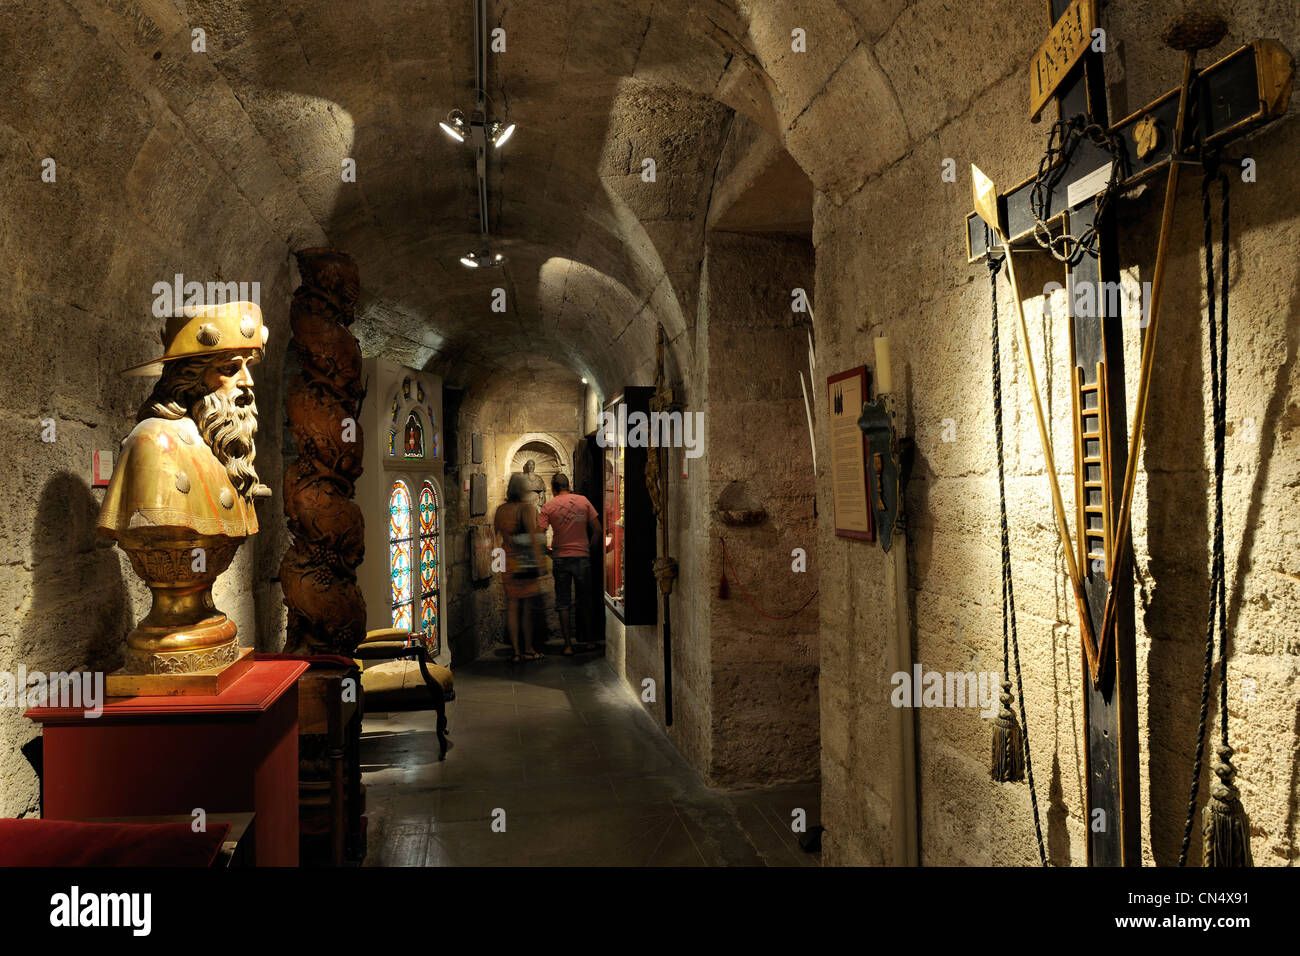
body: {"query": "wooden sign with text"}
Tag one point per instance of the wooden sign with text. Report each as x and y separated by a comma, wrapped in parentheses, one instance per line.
(1065, 46)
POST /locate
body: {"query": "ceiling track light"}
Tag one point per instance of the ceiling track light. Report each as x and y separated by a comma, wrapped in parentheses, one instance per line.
(455, 126)
(459, 128)
(483, 260)
(499, 132)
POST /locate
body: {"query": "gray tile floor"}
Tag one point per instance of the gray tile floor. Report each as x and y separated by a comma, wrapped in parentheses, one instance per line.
(583, 774)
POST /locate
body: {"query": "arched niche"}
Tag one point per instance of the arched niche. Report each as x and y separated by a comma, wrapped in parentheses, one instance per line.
(544, 449)
(409, 413)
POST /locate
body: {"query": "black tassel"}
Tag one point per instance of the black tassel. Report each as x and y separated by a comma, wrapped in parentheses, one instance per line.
(1225, 829)
(1008, 742)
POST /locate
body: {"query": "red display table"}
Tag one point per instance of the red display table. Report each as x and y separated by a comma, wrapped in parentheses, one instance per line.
(236, 751)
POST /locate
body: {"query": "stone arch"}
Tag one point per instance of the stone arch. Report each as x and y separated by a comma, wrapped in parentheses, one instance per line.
(548, 442)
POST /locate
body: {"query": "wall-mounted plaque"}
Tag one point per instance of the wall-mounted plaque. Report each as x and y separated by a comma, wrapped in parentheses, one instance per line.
(480, 543)
(477, 495)
(845, 394)
(476, 449)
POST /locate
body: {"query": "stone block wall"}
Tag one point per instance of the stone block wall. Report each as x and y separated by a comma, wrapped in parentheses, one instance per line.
(148, 182)
(890, 258)
(763, 670)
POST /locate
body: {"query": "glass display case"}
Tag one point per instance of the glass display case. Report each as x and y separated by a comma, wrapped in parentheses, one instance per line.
(631, 543)
(613, 520)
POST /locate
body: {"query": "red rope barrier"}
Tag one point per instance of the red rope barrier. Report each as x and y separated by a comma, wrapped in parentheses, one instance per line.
(726, 561)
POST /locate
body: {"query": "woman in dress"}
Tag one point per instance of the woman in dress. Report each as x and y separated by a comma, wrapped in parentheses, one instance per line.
(516, 525)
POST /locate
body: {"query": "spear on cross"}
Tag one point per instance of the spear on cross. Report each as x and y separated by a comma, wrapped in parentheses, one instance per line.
(1188, 33)
(986, 205)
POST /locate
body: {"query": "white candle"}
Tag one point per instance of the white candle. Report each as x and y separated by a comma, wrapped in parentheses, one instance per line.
(884, 377)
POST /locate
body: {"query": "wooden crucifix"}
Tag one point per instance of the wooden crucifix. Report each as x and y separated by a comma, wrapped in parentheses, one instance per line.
(1212, 107)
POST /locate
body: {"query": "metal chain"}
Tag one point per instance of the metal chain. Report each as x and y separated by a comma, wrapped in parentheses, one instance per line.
(1066, 137)
(1008, 593)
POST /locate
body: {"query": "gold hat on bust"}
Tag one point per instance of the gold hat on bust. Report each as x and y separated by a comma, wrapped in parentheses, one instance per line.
(208, 329)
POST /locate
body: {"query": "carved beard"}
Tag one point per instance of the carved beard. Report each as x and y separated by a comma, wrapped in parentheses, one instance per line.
(229, 430)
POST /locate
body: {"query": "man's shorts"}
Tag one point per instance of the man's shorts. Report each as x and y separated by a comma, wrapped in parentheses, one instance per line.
(569, 572)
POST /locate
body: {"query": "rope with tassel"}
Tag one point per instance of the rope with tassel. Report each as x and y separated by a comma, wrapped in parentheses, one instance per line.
(1011, 758)
(1225, 828)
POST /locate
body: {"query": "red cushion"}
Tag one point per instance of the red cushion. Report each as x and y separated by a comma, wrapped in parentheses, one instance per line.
(72, 843)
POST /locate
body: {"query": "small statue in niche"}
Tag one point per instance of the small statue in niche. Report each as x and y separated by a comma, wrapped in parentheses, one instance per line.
(414, 438)
(180, 501)
(536, 487)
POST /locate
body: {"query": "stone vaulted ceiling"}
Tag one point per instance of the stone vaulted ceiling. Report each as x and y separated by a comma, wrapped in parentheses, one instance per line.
(595, 255)
(185, 142)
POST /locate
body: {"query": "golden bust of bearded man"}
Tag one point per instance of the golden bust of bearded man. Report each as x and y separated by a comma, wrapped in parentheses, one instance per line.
(181, 497)
(189, 460)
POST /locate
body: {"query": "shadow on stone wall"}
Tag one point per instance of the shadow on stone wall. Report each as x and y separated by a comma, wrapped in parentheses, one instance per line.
(1175, 597)
(1173, 593)
(1269, 435)
(80, 610)
(1057, 838)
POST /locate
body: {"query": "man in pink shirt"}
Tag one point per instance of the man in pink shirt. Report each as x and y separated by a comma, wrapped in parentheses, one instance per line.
(574, 524)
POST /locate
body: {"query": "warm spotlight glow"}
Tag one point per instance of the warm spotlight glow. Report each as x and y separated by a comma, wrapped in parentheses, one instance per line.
(504, 135)
(452, 132)
(584, 380)
(482, 260)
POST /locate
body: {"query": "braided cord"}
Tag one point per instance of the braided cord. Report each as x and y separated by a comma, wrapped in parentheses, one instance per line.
(1219, 401)
(1008, 592)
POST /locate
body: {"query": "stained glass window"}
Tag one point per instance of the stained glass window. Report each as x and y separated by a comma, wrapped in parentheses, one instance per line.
(429, 565)
(406, 387)
(429, 623)
(399, 553)
(392, 442)
(396, 407)
(414, 445)
(419, 391)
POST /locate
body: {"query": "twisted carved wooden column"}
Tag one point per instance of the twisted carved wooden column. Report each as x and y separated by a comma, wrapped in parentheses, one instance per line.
(327, 613)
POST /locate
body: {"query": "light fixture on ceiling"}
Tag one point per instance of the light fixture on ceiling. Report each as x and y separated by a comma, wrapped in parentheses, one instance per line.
(462, 130)
(499, 132)
(455, 126)
(482, 260)
(584, 380)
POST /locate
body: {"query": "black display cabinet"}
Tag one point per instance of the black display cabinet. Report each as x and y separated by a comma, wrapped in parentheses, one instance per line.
(629, 518)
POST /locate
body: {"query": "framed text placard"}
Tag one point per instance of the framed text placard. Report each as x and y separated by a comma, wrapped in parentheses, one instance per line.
(845, 394)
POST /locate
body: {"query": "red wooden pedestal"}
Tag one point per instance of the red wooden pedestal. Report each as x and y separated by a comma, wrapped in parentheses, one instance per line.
(145, 756)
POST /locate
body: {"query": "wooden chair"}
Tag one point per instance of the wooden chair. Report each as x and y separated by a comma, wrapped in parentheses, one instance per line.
(330, 803)
(392, 644)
